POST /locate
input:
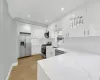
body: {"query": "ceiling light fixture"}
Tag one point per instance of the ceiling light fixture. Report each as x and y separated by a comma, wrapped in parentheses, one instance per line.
(28, 16)
(46, 20)
(62, 9)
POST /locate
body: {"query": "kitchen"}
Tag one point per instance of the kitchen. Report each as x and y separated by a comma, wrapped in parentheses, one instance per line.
(55, 46)
(71, 37)
(82, 21)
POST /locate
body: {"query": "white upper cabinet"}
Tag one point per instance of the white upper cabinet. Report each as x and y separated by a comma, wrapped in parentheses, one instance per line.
(91, 21)
(74, 23)
(82, 22)
(79, 30)
(93, 15)
(58, 25)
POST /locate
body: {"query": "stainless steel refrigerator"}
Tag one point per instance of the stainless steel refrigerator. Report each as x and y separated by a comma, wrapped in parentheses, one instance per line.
(25, 44)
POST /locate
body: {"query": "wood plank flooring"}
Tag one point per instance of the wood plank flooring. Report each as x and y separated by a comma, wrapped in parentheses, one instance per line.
(26, 69)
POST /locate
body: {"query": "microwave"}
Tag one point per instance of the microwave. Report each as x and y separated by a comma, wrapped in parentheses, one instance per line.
(47, 34)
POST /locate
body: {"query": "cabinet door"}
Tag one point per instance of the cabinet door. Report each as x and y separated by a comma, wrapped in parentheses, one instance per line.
(36, 49)
(48, 51)
(41, 75)
(53, 51)
(78, 31)
(93, 15)
(65, 26)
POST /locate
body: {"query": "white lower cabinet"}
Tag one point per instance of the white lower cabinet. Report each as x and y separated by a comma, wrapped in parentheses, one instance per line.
(36, 49)
(50, 51)
(41, 75)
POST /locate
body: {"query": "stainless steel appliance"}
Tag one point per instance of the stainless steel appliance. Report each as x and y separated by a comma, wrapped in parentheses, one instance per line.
(25, 44)
(43, 48)
(46, 34)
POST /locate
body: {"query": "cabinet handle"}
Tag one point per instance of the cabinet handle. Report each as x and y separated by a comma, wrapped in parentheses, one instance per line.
(88, 32)
(51, 53)
(68, 34)
(84, 32)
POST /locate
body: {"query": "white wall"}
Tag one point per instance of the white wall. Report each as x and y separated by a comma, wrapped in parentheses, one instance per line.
(8, 37)
(82, 44)
(1, 42)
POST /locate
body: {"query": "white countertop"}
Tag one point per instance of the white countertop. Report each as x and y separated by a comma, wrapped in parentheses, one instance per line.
(65, 50)
(70, 52)
(71, 67)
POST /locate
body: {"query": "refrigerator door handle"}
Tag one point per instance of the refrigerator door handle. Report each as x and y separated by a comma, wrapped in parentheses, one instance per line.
(24, 44)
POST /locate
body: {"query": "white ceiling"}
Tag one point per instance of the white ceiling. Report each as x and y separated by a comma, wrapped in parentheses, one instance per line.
(41, 10)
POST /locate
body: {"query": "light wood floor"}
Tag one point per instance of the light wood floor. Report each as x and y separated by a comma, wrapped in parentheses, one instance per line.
(26, 69)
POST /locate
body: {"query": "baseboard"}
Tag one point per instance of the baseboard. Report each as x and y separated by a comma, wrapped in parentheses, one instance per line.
(35, 54)
(13, 64)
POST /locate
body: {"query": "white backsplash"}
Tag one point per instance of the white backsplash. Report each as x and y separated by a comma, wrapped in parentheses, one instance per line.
(82, 44)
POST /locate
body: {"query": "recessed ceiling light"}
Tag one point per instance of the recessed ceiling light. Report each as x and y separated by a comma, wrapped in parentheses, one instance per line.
(73, 15)
(46, 20)
(62, 9)
(28, 16)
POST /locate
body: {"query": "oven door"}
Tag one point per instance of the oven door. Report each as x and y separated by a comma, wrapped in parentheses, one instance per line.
(43, 50)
